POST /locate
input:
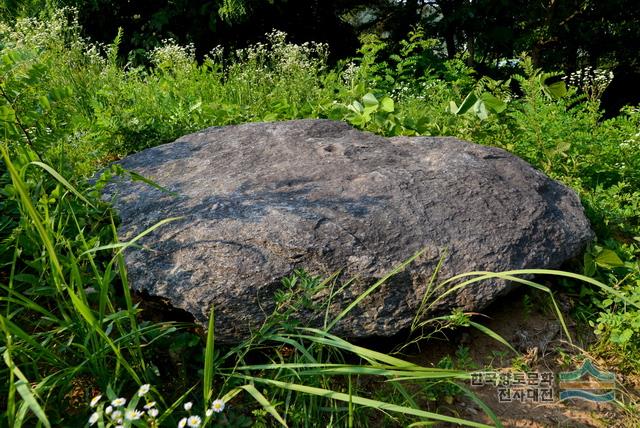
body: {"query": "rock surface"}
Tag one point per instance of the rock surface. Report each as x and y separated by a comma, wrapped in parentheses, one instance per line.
(260, 200)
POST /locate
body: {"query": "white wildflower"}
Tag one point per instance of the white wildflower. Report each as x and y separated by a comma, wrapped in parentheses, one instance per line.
(182, 423)
(188, 405)
(208, 412)
(152, 412)
(144, 389)
(217, 406)
(133, 415)
(150, 405)
(108, 410)
(194, 421)
(119, 402)
(93, 418)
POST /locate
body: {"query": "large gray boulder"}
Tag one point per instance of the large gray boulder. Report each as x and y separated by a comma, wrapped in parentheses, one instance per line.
(260, 200)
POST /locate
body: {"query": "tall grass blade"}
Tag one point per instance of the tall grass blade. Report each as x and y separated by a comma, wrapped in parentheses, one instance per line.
(264, 402)
(22, 387)
(121, 246)
(371, 289)
(208, 358)
(486, 409)
(63, 181)
(492, 334)
(35, 218)
(30, 401)
(367, 402)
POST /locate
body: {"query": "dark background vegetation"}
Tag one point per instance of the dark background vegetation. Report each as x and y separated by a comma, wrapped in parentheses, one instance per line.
(557, 34)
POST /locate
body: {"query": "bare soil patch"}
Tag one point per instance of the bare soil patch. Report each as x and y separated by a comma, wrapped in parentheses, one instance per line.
(529, 324)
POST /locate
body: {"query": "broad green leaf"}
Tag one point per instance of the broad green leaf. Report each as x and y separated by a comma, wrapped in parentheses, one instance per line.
(608, 259)
(387, 105)
(369, 100)
(468, 103)
(589, 265)
(493, 103)
(480, 110)
(556, 90)
(356, 107)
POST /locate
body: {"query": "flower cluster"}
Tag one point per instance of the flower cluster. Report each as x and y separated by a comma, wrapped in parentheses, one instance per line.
(592, 81)
(114, 413)
(350, 74)
(283, 57)
(195, 421)
(117, 414)
(174, 58)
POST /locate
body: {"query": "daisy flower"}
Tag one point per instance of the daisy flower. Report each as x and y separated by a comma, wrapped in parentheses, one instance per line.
(194, 421)
(217, 406)
(133, 415)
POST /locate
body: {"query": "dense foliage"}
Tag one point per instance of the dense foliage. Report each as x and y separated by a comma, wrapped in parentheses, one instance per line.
(67, 107)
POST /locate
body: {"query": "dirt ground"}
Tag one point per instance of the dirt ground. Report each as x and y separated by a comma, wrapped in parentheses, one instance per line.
(529, 324)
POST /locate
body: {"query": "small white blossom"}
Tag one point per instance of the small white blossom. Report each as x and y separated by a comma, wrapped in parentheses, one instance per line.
(208, 412)
(194, 421)
(119, 402)
(95, 400)
(217, 405)
(150, 405)
(116, 415)
(108, 410)
(144, 389)
(188, 405)
(93, 418)
(152, 412)
(133, 415)
(182, 423)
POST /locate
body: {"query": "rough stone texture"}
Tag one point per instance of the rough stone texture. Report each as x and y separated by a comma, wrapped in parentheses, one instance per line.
(262, 199)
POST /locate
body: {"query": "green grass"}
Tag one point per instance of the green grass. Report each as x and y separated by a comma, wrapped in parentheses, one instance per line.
(71, 327)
